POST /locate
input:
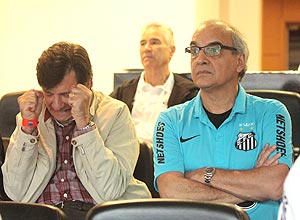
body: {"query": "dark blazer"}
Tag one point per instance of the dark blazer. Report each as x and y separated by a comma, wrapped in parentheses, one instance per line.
(183, 90)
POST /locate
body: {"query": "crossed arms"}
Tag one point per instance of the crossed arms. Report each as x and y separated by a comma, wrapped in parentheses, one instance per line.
(263, 182)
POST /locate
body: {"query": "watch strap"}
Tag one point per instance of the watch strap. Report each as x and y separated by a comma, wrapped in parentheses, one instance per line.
(208, 175)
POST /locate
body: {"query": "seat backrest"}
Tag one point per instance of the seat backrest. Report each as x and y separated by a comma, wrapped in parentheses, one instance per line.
(144, 170)
(3, 196)
(10, 210)
(292, 101)
(9, 108)
(5, 141)
(165, 209)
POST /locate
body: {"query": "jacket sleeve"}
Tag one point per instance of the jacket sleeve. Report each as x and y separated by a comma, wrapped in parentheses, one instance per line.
(27, 167)
(105, 157)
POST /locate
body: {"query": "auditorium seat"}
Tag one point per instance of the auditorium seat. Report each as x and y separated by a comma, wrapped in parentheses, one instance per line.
(5, 141)
(10, 210)
(9, 108)
(292, 101)
(165, 209)
(144, 170)
(3, 196)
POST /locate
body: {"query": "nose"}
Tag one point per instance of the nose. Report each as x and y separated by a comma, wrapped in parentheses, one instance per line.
(201, 58)
(147, 46)
(57, 103)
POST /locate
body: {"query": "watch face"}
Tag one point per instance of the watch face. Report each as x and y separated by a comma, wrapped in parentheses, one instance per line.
(209, 169)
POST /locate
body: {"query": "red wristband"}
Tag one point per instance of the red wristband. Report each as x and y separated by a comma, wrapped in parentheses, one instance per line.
(30, 123)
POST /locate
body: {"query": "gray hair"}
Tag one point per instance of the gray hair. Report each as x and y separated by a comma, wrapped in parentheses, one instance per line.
(168, 33)
(237, 38)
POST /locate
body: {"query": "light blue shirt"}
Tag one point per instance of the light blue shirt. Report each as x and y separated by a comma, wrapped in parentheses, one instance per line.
(185, 139)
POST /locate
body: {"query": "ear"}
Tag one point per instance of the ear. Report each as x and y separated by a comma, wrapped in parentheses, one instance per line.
(240, 62)
(173, 48)
(89, 83)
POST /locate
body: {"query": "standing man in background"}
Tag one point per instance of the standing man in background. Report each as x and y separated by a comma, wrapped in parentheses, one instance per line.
(224, 145)
(73, 147)
(157, 88)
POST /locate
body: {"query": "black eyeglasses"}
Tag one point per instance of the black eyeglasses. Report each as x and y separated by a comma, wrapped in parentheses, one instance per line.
(213, 49)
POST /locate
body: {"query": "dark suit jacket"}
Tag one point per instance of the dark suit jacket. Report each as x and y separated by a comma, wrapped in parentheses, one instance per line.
(183, 90)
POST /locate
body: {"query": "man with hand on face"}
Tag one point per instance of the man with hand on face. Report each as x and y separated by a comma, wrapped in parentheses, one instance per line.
(72, 147)
(224, 145)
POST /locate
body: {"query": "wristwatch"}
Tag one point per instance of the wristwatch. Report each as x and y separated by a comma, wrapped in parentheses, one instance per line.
(88, 126)
(208, 174)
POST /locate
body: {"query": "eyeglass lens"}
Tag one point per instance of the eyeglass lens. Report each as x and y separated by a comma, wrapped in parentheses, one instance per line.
(210, 50)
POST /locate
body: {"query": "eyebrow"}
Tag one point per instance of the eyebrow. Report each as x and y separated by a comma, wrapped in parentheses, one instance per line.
(193, 43)
(212, 43)
(151, 39)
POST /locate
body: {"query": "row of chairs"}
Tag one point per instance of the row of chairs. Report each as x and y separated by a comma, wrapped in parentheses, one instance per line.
(146, 209)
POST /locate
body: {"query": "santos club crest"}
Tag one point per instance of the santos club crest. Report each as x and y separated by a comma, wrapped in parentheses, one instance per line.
(246, 141)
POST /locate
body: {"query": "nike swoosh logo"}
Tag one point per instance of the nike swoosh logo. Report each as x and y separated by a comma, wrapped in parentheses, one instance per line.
(182, 140)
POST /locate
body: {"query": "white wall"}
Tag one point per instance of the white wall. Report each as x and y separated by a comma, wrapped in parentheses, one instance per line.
(245, 15)
(108, 29)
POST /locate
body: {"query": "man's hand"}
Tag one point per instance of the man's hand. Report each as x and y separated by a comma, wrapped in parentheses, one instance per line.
(30, 104)
(264, 160)
(80, 99)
